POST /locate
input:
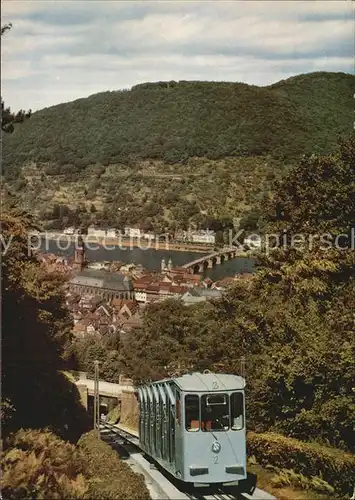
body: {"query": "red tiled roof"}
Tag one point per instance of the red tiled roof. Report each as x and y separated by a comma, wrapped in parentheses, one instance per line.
(119, 303)
(164, 286)
(192, 277)
(178, 289)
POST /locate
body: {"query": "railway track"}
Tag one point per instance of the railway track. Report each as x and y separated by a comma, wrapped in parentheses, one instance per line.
(159, 485)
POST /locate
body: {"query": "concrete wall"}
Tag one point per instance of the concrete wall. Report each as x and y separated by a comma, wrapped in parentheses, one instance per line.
(129, 409)
(83, 390)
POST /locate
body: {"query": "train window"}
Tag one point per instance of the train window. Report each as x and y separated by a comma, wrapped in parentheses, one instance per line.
(237, 411)
(192, 412)
(214, 412)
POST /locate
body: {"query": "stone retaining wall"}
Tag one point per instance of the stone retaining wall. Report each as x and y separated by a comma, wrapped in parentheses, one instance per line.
(129, 410)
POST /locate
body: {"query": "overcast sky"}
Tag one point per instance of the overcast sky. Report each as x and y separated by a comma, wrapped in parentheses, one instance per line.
(62, 50)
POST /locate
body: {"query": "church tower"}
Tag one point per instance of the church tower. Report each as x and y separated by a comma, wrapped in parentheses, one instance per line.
(79, 257)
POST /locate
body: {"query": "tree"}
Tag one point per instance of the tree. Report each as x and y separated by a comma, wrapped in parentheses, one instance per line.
(250, 222)
(293, 322)
(36, 333)
(5, 27)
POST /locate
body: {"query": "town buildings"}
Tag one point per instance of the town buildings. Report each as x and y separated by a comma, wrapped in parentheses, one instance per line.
(93, 315)
(101, 283)
(133, 232)
(205, 236)
(96, 232)
(103, 302)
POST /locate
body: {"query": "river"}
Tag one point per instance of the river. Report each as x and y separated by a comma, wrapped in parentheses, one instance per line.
(151, 259)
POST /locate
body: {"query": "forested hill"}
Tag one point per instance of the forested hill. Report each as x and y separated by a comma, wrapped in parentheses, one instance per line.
(173, 121)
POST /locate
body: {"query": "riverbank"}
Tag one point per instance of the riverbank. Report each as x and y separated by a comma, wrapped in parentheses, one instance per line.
(131, 243)
(149, 258)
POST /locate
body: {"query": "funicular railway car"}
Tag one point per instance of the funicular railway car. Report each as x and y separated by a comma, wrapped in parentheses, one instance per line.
(194, 427)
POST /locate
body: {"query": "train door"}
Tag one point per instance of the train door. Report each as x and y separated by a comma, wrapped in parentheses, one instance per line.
(144, 407)
(178, 434)
(164, 422)
(151, 422)
(147, 434)
(171, 434)
(141, 416)
(157, 427)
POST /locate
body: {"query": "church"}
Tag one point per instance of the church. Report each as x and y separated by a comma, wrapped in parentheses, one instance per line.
(105, 284)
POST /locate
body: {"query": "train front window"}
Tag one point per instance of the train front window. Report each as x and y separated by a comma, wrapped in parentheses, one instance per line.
(214, 412)
(237, 411)
(192, 412)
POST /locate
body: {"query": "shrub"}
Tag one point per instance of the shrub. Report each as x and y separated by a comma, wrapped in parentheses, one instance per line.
(287, 477)
(37, 464)
(309, 459)
(110, 477)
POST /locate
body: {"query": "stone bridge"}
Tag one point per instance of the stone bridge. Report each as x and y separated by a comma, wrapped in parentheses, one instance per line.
(208, 261)
(106, 389)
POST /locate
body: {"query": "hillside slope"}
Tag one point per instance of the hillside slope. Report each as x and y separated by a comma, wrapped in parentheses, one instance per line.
(177, 120)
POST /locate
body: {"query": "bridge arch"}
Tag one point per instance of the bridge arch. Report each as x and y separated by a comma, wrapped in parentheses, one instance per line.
(196, 269)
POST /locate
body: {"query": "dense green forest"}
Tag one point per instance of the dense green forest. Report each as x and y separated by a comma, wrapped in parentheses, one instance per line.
(169, 155)
(178, 120)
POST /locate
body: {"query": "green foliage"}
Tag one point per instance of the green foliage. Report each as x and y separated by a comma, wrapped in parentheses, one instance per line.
(318, 196)
(85, 351)
(309, 459)
(294, 323)
(5, 28)
(110, 477)
(36, 332)
(38, 464)
(153, 194)
(287, 477)
(189, 119)
(206, 151)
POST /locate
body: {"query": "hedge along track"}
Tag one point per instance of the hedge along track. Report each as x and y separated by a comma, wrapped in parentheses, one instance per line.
(158, 484)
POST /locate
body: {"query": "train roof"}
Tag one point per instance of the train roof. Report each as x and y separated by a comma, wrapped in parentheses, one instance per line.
(202, 382)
